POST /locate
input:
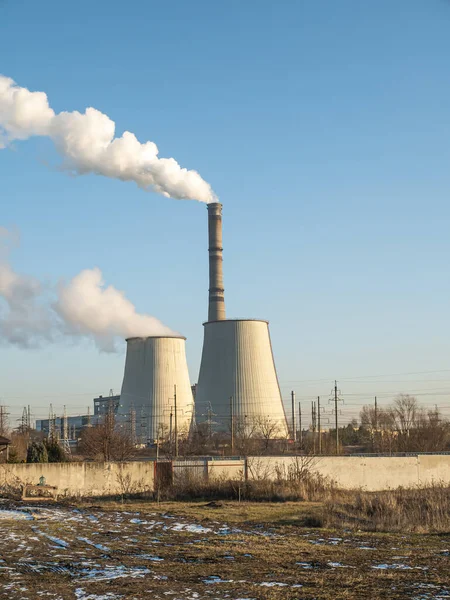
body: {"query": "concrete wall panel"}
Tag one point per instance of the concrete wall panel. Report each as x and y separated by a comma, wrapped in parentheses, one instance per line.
(83, 479)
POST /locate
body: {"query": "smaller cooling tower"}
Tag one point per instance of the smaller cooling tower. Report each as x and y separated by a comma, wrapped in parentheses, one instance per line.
(153, 367)
(238, 376)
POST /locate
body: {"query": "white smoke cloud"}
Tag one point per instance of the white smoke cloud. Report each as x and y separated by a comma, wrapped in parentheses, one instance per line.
(87, 144)
(32, 313)
(24, 319)
(87, 307)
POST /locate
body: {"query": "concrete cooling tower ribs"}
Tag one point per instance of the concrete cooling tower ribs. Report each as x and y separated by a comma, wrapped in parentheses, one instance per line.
(237, 364)
(153, 367)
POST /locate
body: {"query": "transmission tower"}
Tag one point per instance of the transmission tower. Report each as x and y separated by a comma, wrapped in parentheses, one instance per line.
(143, 427)
(25, 425)
(53, 433)
(209, 419)
(133, 425)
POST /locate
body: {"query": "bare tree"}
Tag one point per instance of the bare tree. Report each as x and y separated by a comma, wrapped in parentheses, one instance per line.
(245, 430)
(405, 411)
(267, 429)
(107, 443)
(406, 426)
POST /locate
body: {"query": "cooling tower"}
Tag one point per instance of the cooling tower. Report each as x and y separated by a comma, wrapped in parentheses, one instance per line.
(153, 367)
(237, 378)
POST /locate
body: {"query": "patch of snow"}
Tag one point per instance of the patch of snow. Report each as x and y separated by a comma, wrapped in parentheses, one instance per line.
(215, 579)
(59, 543)
(113, 572)
(192, 528)
(91, 543)
(80, 594)
(392, 566)
(17, 515)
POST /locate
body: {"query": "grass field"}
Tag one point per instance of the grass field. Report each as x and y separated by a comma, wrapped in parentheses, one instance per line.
(192, 551)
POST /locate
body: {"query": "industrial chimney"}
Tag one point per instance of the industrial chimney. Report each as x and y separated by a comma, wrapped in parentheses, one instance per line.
(237, 382)
(216, 308)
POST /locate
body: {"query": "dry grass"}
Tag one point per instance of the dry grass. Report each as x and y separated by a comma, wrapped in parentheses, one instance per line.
(263, 543)
(286, 487)
(422, 510)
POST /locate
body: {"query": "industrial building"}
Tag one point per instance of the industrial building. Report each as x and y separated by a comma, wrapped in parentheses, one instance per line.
(103, 404)
(74, 425)
(237, 380)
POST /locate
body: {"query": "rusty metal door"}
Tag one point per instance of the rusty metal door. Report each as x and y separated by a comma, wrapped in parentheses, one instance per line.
(163, 474)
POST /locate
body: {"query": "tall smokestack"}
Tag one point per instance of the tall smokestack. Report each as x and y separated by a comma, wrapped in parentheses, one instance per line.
(216, 309)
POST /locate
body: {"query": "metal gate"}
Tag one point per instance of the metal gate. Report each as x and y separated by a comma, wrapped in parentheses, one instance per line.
(163, 474)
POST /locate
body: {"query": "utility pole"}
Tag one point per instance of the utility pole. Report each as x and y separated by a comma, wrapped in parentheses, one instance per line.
(300, 430)
(294, 429)
(336, 415)
(170, 429)
(232, 424)
(88, 416)
(318, 420)
(375, 424)
(313, 417)
(335, 393)
(176, 419)
(29, 417)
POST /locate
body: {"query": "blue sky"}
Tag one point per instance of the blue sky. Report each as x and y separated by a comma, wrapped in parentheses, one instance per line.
(323, 126)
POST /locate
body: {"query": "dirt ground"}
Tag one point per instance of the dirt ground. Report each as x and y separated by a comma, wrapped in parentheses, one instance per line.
(194, 552)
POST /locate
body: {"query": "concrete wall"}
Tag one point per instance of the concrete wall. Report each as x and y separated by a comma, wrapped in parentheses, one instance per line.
(82, 479)
(372, 473)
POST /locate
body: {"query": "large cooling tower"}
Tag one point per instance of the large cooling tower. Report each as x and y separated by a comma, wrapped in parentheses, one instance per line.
(238, 377)
(237, 374)
(156, 369)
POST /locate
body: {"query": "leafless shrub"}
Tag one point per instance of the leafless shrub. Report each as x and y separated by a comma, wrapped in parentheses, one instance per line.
(129, 486)
(105, 442)
(11, 486)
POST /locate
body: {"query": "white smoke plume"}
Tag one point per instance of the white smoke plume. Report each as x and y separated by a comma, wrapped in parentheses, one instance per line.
(87, 144)
(32, 313)
(87, 307)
